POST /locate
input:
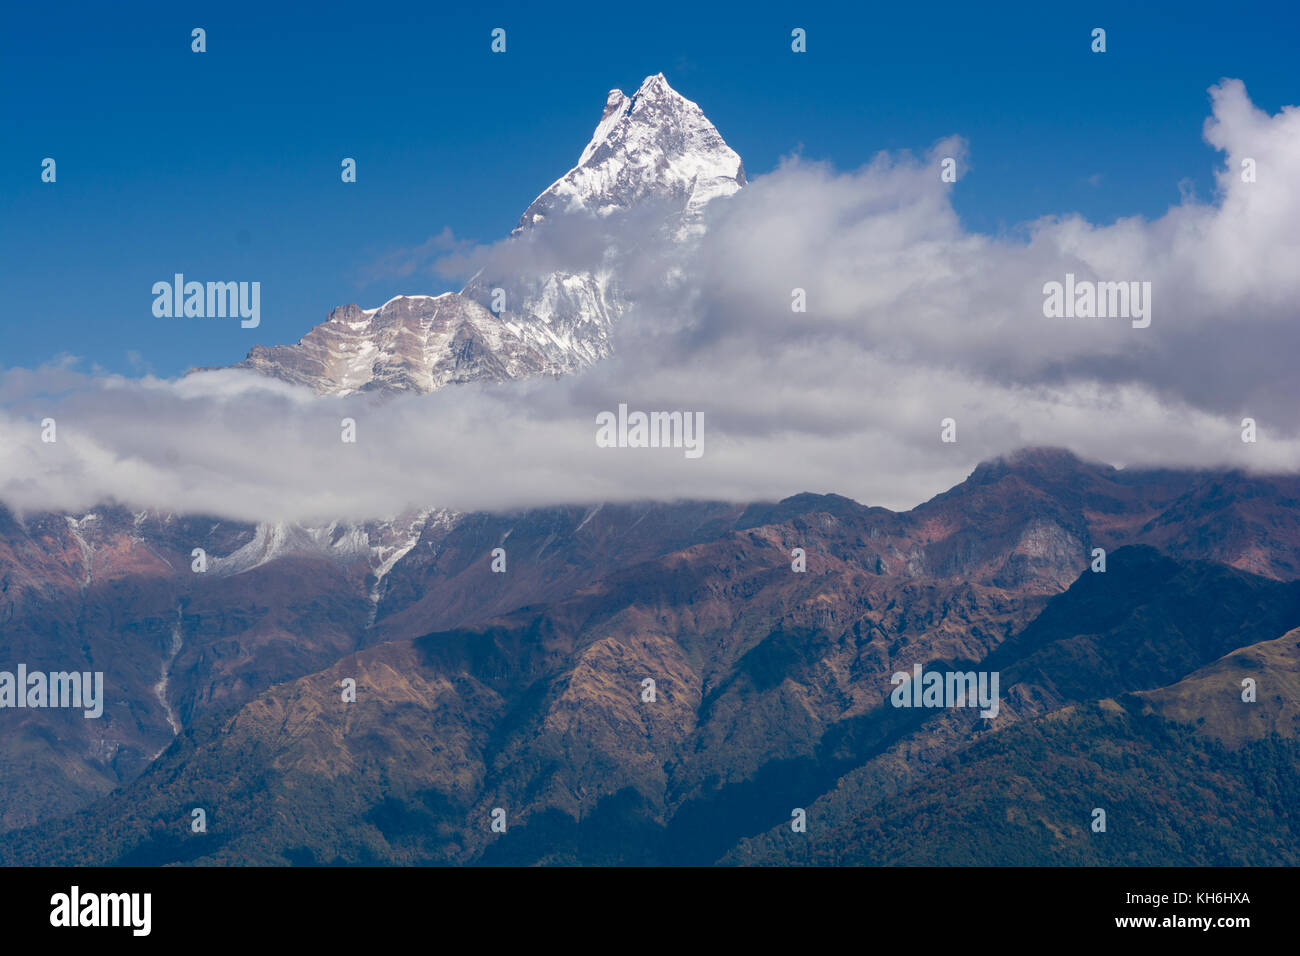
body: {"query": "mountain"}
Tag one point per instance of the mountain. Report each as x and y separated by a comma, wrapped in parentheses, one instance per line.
(1026, 796)
(654, 145)
(771, 630)
(409, 344)
(1201, 699)
(654, 157)
(523, 690)
(115, 591)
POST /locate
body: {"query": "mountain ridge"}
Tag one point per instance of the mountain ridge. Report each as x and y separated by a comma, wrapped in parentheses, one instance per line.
(951, 579)
(539, 712)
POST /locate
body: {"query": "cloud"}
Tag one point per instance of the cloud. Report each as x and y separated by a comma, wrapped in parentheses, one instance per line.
(910, 319)
(580, 241)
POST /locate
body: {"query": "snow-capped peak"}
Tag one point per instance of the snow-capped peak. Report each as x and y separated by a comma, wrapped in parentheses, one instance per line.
(654, 143)
(654, 147)
(656, 87)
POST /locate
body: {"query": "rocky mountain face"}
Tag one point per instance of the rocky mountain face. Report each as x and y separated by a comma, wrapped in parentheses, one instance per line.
(653, 154)
(409, 344)
(1124, 694)
(524, 689)
(118, 592)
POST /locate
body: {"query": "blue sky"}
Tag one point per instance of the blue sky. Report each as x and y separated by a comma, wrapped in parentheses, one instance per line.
(225, 165)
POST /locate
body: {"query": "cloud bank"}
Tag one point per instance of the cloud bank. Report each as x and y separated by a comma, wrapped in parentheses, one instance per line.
(911, 319)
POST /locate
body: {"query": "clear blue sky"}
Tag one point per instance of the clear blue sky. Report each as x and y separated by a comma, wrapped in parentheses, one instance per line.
(225, 165)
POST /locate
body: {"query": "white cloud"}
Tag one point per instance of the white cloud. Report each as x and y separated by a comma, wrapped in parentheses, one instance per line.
(910, 319)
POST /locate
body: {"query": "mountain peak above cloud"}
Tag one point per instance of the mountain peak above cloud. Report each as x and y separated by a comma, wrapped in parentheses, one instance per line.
(655, 142)
(654, 149)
